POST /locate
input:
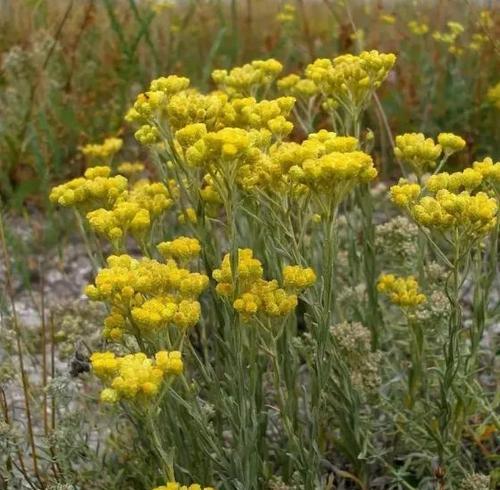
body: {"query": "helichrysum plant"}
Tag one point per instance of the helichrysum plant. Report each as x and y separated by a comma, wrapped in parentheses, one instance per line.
(227, 342)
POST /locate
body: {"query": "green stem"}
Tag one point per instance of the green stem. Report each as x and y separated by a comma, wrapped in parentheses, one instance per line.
(323, 320)
(416, 372)
(373, 318)
(449, 404)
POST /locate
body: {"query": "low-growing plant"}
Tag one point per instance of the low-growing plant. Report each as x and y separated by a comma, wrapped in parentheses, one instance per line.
(272, 322)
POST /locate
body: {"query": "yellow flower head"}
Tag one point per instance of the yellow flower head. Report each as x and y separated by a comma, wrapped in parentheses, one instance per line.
(170, 85)
(102, 152)
(134, 376)
(154, 294)
(125, 216)
(147, 135)
(418, 28)
(442, 205)
(402, 291)
(469, 180)
(192, 107)
(404, 193)
(248, 79)
(249, 270)
(287, 15)
(257, 296)
(297, 87)
(416, 150)
(335, 173)
(493, 95)
(387, 19)
(169, 362)
(149, 105)
(96, 189)
(177, 486)
(246, 113)
(188, 215)
(451, 143)
(155, 197)
(490, 171)
(130, 168)
(351, 79)
(473, 215)
(182, 248)
(297, 278)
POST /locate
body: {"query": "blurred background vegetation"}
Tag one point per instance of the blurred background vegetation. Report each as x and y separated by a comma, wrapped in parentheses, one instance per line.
(69, 69)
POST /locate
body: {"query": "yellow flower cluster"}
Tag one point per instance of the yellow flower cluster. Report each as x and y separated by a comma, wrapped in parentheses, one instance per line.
(149, 104)
(416, 150)
(485, 19)
(455, 29)
(177, 486)
(336, 173)
(297, 87)
(170, 85)
(350, 79)
(159, 6)
(192, 114)
(490, 171)
(247, 113)
(248, 79)
(232, 152)
(182, 248)
(210, 195)
(97, 188)
(155, 197)
(387, 19)
(312, 165)
(405, 193)
(147, 295)
(402, 291)
(134, 212)
(298, 278)
(190, 107)
(188, 215)
(250, 270)
(450, 143)
(478, 41)
(493, 95)
(112, 207)
(469, 180)
(267, 298)
(237, 140)
(472, 215)
(256, 295)
(115, 223)
(134, 376)
(147, 135)
(130, 168)
(418, 28)
(287, 15)
(171, 105)
(102, 152)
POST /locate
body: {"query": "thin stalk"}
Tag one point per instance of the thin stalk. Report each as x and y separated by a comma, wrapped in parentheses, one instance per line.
(319, 374)
(285, 403)
(24, 377)
(416, 374)
(53, 370)
(44, 351)
(374, 317)
(448, 405)
(86, 241)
